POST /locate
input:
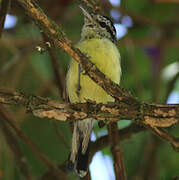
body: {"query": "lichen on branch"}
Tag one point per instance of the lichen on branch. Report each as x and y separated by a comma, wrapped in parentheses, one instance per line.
(54, 33)
(142, 113)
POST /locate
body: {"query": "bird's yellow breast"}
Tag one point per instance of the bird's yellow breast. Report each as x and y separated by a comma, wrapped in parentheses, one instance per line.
(105, 55)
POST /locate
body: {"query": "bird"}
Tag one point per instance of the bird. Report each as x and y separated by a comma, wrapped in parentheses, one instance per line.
(98, 42)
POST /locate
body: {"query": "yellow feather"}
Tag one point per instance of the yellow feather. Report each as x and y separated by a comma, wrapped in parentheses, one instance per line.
(105, 55)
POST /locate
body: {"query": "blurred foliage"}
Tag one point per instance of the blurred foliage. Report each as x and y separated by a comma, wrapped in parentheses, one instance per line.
(23, 68)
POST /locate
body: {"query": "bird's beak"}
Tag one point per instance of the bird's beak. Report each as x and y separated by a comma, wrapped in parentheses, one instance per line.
(87, 14)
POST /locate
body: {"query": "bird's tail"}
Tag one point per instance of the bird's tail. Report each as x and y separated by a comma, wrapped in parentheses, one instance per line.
(79, 155)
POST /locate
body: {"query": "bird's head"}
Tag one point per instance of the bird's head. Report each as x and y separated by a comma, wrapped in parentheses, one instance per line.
(97, 26)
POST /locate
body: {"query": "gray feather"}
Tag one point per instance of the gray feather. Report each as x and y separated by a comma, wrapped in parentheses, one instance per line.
(80, 141)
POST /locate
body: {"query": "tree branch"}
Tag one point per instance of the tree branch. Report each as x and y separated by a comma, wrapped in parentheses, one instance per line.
(59, 73)
(53, 32)
(56, 171)
(13, 145)
(101, 143)
(94, 5)
(154, 115)
(148, 115)
(139, 18)
(163, 134)
(127, 107)
(123, 133)
(114, 139)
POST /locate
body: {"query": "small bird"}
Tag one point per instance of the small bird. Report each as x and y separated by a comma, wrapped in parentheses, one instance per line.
(98, 39)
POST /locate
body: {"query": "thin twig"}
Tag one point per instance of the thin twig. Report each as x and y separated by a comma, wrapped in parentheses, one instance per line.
(134, 65)
(163, 134)
(147, 168)
(114, 140)
(60, 135)
(57, 172)
(59, 73)
(103, 142)
(49, 175)
(94, 5)
(125, 133)
(60, 82)
(13, 145)
(139, 18)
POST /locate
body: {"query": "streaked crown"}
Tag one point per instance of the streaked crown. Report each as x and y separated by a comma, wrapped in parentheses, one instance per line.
(97, 26)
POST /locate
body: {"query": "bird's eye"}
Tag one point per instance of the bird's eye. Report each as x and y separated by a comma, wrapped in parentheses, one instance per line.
(102, 24)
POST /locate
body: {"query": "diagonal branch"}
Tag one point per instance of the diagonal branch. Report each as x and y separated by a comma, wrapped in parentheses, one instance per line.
(163, 134)
(56, 171)
(54, 32)
(93, 5)
(13, 145)
(125, 133)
